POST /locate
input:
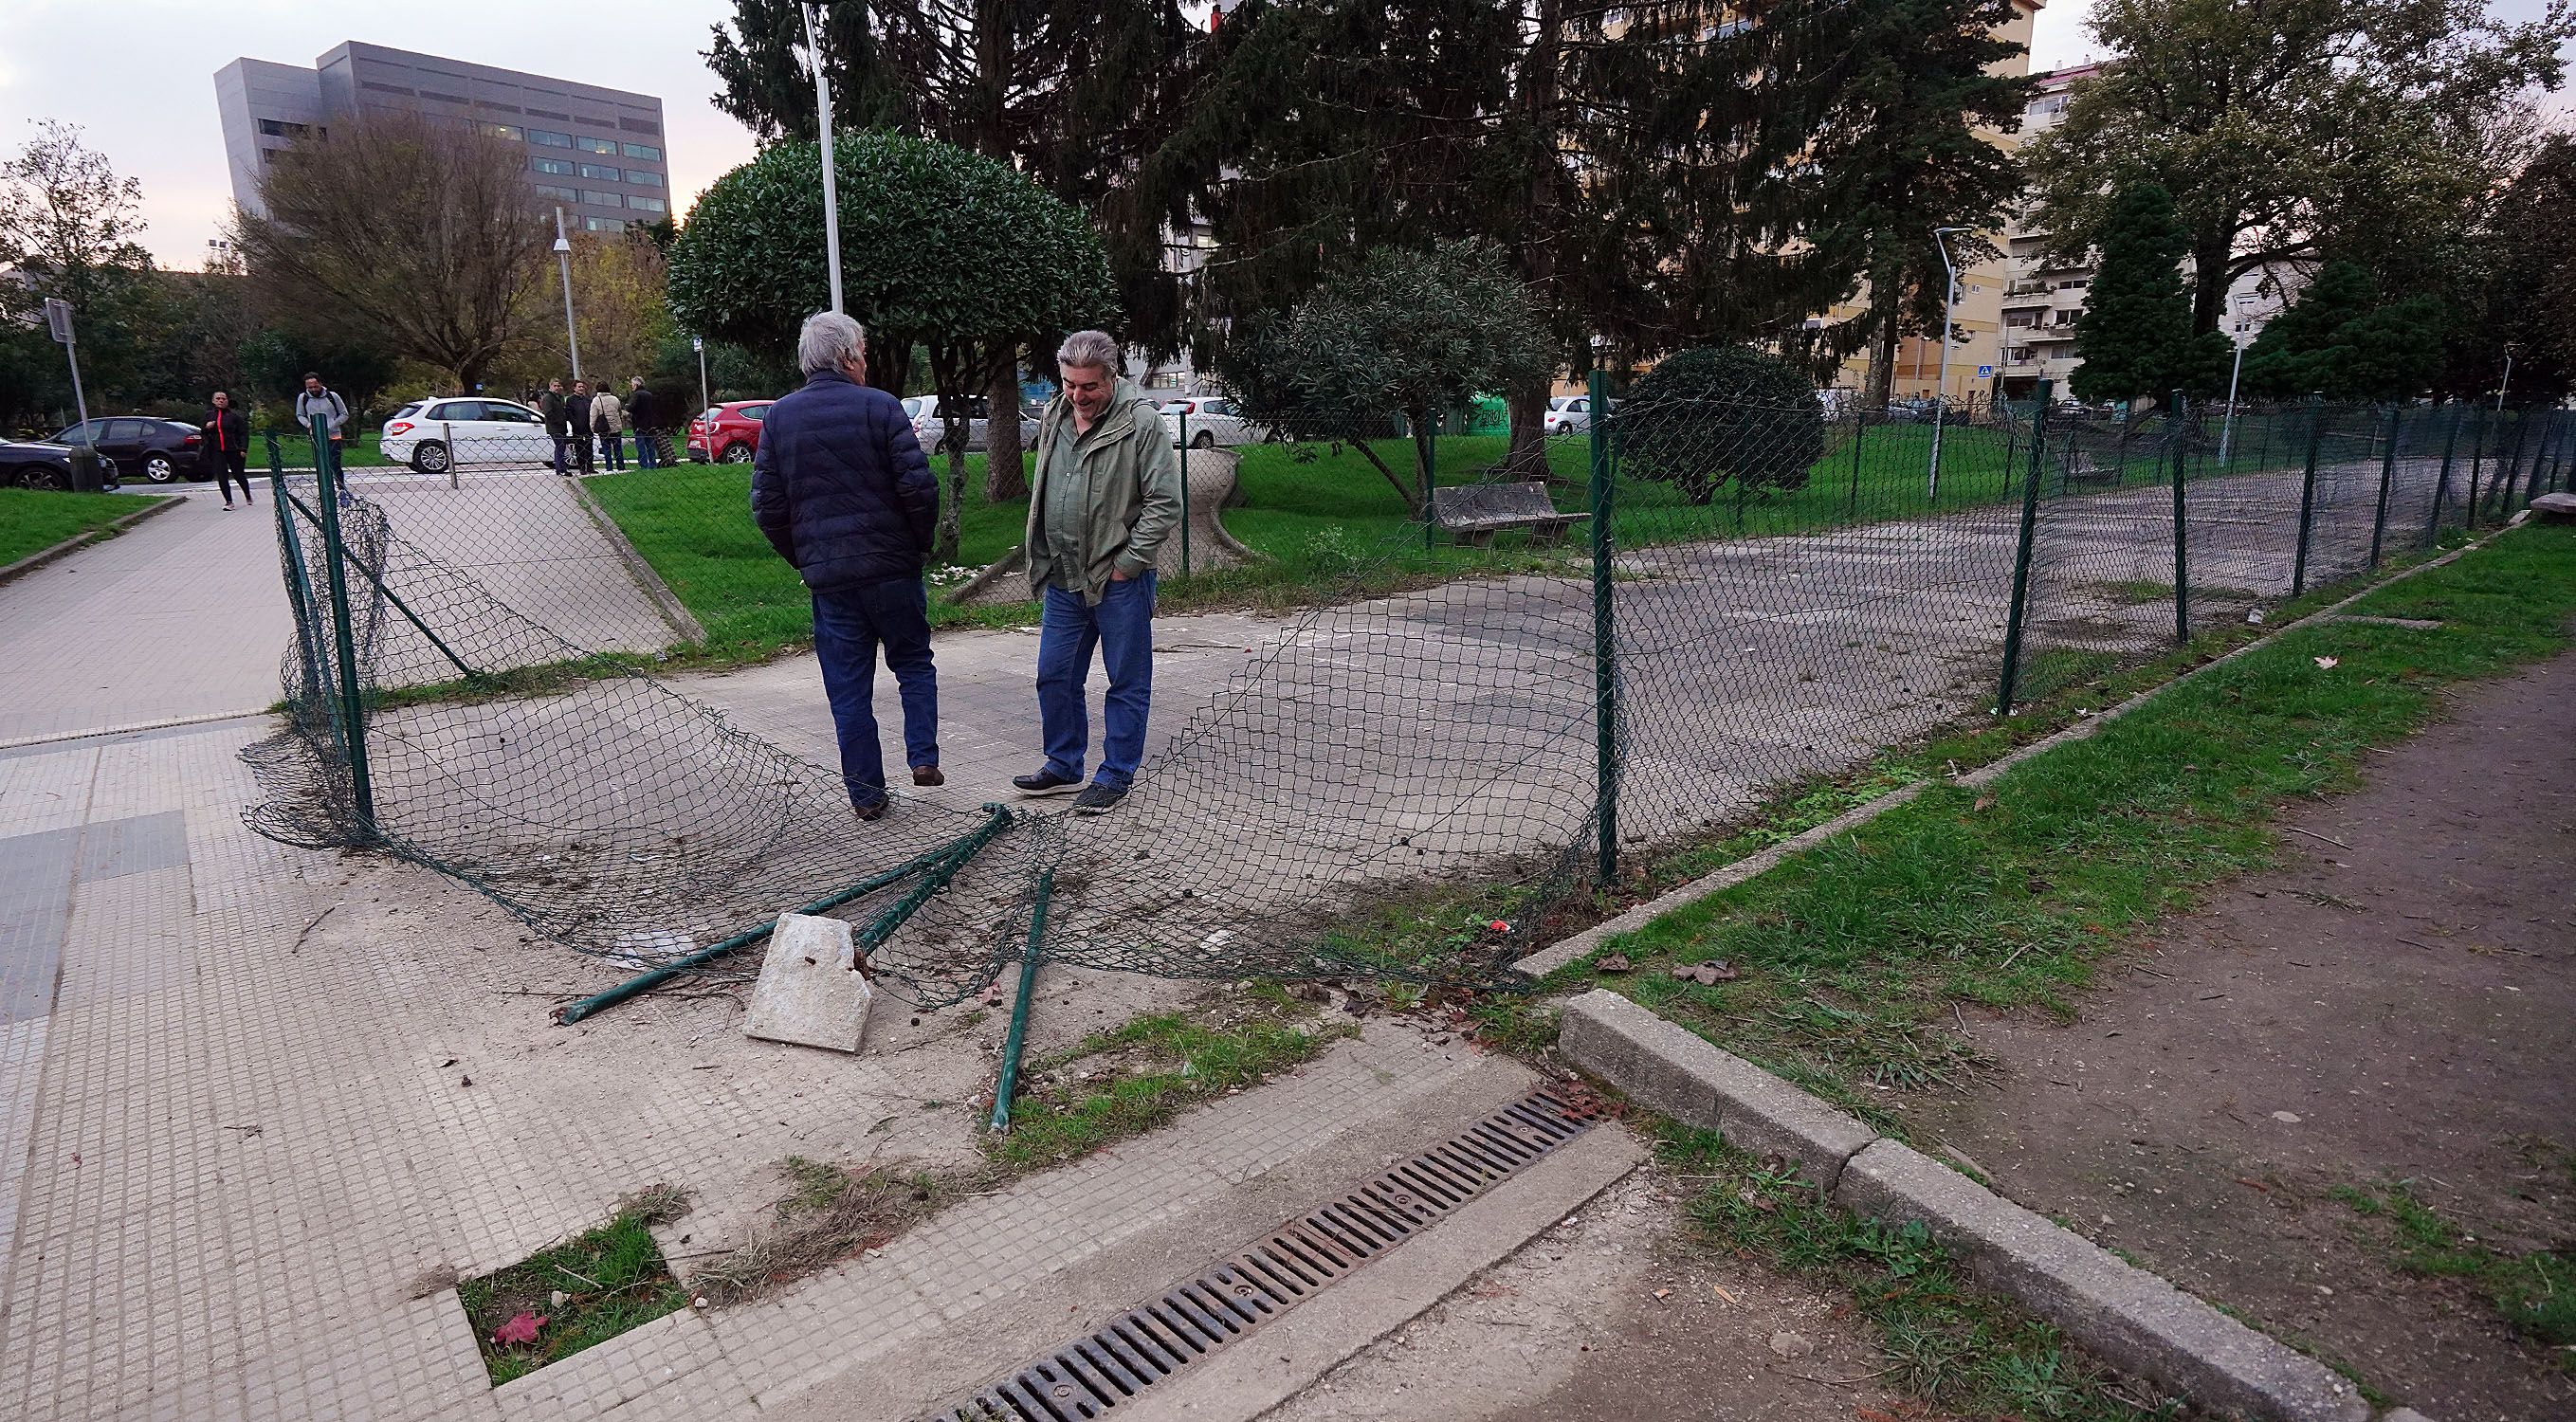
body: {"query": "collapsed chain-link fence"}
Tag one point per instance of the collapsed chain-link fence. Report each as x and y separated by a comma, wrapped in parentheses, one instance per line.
(1616, 638)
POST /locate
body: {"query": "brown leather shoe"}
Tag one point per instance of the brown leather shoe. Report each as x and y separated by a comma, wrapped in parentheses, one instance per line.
(872, 812)
(928, 775)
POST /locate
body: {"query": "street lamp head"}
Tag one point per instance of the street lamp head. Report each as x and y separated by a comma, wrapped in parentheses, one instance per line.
(563, 246)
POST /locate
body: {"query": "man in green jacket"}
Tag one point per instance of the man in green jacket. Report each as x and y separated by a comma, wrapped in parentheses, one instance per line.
(1107, 493)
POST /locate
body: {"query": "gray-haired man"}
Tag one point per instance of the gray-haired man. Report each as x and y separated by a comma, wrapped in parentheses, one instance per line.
(1107, 493)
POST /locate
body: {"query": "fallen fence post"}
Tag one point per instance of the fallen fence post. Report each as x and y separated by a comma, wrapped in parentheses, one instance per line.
(1016, 1040)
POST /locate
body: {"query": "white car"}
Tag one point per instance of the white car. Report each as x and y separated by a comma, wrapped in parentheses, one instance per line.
(931, 428)
(1567, 414)
(433, 436)
(1214, 421)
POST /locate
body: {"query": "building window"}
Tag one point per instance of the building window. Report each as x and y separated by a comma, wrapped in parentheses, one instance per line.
(597, 198)
(510, 131)
(403, 90)
(549, 113)
(603, 224)
(643, 177)
(548, 139)
(645, 151)
(645, 204)
(277, 128)
(457, 99)
(602, 173)
(551, 165)
(596, 145)
(559, 194)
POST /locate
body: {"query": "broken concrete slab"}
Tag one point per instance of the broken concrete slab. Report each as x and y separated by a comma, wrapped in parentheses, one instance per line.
(809, 992)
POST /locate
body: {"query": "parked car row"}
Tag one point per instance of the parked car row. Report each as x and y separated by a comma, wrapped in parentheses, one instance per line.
(35, 464)
(158, 450)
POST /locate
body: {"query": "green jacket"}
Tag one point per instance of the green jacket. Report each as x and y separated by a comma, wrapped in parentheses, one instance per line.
(1135, 491)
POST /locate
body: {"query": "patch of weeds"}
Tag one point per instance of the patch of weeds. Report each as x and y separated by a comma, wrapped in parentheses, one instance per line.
(829, 1213)
(1856, 957)
(1139, 1076)
(577, 1294)
(2139, 594)
(1948, 1343)
(2534, 1292)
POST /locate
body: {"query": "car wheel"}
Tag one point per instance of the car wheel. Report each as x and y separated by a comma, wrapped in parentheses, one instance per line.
(737, 453)
(44, 476)
(159, 469)
(1204, 439)
(429, 457)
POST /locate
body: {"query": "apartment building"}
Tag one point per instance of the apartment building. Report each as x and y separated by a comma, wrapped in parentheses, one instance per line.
(596, 153)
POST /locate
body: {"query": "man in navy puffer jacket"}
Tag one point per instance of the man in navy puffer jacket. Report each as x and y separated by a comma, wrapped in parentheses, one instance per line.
(841, 489)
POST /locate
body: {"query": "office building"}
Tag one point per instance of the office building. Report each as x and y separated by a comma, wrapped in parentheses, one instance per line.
(598, 154)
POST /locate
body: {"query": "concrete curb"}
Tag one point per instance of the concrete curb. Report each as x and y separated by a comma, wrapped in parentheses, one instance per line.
(2129, 1317)
(79, 541)
(1569, 950)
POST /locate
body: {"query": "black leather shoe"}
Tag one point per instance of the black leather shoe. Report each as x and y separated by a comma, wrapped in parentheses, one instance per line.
(1045, 782)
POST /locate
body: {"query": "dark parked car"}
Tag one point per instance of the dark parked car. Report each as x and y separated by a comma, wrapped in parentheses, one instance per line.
(159, 450)
(35, 464)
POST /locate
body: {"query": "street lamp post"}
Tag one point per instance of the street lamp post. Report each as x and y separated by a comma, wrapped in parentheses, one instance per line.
(2227, 427)
(2507, 382)
(699, 344)
(1941, 383)
(831, 177)
(563, 265)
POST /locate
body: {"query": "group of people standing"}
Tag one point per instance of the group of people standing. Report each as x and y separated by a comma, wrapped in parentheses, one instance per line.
(842, 490)
(580, 419)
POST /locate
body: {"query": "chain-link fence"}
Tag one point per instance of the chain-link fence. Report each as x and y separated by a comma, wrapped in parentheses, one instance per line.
(1614, 640)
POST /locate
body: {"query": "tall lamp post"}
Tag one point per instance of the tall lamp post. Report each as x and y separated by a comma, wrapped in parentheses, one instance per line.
(699, 344)
(831, 176)
(563, 265)
(2227, 427)
(1941, 383)
(2507, 382)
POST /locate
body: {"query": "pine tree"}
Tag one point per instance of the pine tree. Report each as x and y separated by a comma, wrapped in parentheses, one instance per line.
(2340, 340)
(2135, 339)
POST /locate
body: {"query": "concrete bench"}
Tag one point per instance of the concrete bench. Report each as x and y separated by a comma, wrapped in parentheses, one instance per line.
(1474, 513)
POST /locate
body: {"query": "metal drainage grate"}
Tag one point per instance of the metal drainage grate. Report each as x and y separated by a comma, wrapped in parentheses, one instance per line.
(1166, 1336)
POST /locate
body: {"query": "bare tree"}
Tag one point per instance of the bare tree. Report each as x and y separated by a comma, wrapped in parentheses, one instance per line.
(420, 237)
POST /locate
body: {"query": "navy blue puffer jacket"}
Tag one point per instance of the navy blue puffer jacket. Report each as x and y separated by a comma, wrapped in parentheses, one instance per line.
(841, 488)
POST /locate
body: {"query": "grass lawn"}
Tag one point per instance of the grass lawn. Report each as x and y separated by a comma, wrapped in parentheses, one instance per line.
(32, 520)
(1852, 954)
(577, 1294)
(1331, 524)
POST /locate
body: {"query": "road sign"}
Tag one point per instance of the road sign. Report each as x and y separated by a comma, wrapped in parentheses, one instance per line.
(1985, 372)
(697, 343)
(58, 318)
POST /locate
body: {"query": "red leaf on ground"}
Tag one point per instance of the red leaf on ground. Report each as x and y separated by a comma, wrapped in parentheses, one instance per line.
(520, 1329)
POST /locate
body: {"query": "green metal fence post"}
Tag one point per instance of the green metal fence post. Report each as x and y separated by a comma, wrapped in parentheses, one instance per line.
(353, 707)
(2018, 612)
(2477, 456)
(2308, 495)
(1015, 1040)
(2442, 482)
(1605, 642)
(2387, 476)
(1185, 490)
(2181, 527)
(1860, 425)
(2524, 443)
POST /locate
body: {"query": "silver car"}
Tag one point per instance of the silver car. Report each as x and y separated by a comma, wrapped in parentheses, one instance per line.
(931, 427)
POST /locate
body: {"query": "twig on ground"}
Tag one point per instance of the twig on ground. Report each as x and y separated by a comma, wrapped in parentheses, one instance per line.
(2312, 834)
(1843, 1382)
(594, 1283)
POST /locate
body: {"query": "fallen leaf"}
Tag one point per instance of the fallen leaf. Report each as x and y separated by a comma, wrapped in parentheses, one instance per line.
(1720, 1291)
(1984, 802)
(520, 1329)
(1612, 963)
(1663, 1293)
(2326, 663)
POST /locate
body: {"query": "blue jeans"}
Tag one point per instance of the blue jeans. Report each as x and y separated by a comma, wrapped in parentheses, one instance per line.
(645, 452)
(612, 451)
(849, 625)
(563, 450)
(1122, 629)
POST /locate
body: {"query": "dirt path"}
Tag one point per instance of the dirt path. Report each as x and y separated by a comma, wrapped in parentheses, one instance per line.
(2400, 1009)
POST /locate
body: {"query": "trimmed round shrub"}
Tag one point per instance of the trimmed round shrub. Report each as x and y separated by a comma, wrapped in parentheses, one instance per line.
(1720, 414)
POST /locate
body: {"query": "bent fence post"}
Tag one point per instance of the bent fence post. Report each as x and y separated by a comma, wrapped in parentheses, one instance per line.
(352, 709)
(2308, 495)
(2387, 476)
(1605, 642)
(2181, 527)
(1016, 1040)
(2018, 612)
(2442, 482)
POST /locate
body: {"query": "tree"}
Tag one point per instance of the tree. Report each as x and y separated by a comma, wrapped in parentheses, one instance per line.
(2340, 340)
(2291, 130)
(2136, 339)
(1412, 332)
(622, 314)
(965, 258)
(418, 237)
(2523, 288)
(67, 230)
(1721, 414)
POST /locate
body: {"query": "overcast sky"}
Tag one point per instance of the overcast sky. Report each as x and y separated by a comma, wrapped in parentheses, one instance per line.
(138, 75)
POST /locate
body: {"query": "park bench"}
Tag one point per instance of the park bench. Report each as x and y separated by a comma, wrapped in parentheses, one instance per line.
(1474, 513)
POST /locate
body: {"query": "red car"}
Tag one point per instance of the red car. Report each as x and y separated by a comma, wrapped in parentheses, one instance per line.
(728, 433)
